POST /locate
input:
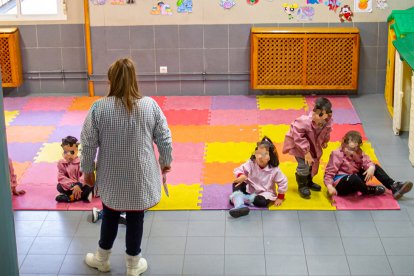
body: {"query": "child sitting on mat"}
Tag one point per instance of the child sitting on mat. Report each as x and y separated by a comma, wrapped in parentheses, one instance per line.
(13, 181)
(70, 178)
(256, 180)
(306, 139)
(349, 168)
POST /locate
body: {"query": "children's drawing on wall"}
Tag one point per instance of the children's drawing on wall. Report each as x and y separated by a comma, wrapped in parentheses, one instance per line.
(185, 6)
(362, 5)
(122, 2)
(227, 4)
(345, 14)
(333, 4)
(98, 2)
(382, 4)
(311, 2)
(305, 13)
(290, 9)
(252, 2)
(161, 9)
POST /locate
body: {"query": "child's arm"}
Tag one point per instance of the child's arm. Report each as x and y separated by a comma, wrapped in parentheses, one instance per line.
(241, 173)
(331, 170)
(63, 180)
(368, 166)
(282, 183)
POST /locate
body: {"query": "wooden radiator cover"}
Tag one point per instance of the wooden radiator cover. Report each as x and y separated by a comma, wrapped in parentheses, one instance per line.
(10, 61)
(304, 58)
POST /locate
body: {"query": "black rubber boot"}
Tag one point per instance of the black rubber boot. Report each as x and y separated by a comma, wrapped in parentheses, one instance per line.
(302, 186)
(375, 190)
(400, 188)
(312, 185)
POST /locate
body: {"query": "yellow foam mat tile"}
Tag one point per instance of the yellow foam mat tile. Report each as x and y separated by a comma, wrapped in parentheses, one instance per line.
(276, 133)
(293, 201)
(50, 153)
(10, 115)
(281, 102)
(181, 197)
(229, 152)
(366, 147)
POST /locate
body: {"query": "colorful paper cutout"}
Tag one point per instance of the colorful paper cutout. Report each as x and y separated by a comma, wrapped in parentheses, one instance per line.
(161, 9)
(98, 2)
(290, 9)
(362, 5)
(382, 4)
(227, 4)
(305, 13)
(311, 2)
(252, 2)
(184, 6)
(345, 14)
(333, 4)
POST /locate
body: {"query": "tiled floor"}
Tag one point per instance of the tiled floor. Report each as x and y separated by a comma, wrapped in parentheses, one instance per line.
(263, 243)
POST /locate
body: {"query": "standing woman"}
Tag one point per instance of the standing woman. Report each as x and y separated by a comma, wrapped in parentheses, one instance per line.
(124, 125)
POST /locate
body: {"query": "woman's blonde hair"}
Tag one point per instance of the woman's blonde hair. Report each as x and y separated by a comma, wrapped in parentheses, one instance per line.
(123, 82)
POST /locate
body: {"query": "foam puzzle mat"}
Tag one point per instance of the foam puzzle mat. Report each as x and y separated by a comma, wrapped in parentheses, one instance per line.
(212, 135)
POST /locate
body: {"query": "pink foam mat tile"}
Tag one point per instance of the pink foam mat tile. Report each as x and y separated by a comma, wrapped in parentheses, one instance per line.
(160, 100)
(187, 117)
(234, 117)
(23, 152)
(187, 103)
(338, 102)
(85, 206)
(345, 116)
(38, 197)
(185, 152)
(48, 103)
(338, 131)
(41, 174)
(362, 202)
(63, 131)
(37, 118)
(73, 118)
(185, 172)
(234, 102)
(279, 116)
(11, 103)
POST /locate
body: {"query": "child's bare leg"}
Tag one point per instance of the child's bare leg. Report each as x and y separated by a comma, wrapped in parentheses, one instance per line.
(17, 193)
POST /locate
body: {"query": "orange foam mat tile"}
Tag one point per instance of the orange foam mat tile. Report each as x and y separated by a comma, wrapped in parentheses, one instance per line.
(20, 169)
(229, 133)
(83, 103)
(187, 117)
(28, 134)
(219, 173)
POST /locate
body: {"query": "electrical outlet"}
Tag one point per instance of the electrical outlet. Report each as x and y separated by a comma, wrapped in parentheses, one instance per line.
(163, 69)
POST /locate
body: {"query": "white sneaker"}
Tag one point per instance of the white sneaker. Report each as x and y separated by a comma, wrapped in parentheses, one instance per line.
(95, 214)
(99, 260)
(136, 265)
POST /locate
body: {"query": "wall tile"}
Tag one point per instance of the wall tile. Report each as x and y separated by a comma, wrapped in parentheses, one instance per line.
(239, 35)
(216, 36)
(168, 88)
(313, 25)
(73, 59)
(195, 88)
(98, 38)
(74, 86)
(117, 37)
(48, 36)
(214, 87)
(28, 36)
(217, 60)
(148, 88)
(239, 87)
(381, 81)
(101, 88)
(169, 58)
(382, 34)
(41, 59)
(142, 37)
(29, 87)
(368, 33)
(51, 86)
(368, 58)
(191, 36)
(72, 35)
(239, 60)
(100, 65)
(367, 81)
(114, 55)
(144, 60)
(382, 57)
(166, 36)
(191, 61)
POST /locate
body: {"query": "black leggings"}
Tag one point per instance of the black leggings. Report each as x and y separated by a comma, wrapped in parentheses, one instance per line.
(355, 182)
(85, 190)
(259, 201)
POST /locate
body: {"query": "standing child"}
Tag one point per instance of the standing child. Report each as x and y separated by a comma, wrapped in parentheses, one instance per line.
(70, 179)
(306, 139)
(255, 182)
(349, 168)
(13, 181)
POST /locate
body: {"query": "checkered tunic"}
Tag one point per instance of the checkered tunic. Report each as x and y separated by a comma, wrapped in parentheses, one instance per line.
(127, 173)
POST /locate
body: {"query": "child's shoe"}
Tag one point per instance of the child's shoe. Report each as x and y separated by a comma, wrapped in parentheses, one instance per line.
(135, 265)
(99, 260)
(96, 214)
(239, 210)
(122, 219)
(400, 188)
(312, 185)
(375, 190)
(303, 186)
(62, 198)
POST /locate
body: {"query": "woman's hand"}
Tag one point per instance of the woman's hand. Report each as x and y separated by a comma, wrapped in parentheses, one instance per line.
(90, 179)
(164, 172)
(369, 173)
(331, 190)
(278, 201)
(239, 180)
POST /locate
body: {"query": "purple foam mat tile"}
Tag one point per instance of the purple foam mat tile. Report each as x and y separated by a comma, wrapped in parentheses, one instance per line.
(234, 102)
(216, 197)
(23, 152)
(346, 116)
(63, 131)
(14, 103)
(276, 117)
(38, 118)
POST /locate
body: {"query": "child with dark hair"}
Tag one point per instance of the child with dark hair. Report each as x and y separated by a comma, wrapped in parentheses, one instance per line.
(349, 169)
(70, 185)
(306, 139)
(13, 181)
(256, 180)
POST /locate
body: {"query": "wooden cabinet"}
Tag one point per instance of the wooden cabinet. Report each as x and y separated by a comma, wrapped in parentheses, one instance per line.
(10, 61)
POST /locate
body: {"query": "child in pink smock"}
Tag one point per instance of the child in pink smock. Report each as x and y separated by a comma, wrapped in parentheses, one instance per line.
(349, 168)
(306, 139)
(256, 180)
(70, 179)
(13, 181)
